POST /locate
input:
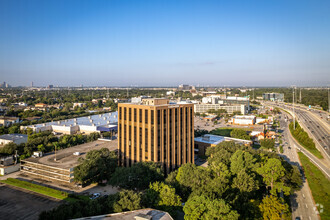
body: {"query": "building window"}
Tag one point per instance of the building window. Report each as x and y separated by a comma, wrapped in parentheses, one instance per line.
(120, 112)
(140, 115)
(135, 115)
(130, 114)
(146, 116)
(125, 113)
(152, 117)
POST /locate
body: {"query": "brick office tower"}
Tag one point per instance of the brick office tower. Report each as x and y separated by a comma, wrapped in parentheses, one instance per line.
(155, 130)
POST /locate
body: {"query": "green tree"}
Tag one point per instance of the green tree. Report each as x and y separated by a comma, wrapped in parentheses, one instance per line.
(138, 176)
(272, 208)
(272, 173)
(240, 134)
(162, 196)
(41, 148)
(99, 165)
(128, 201)
(13, 129)
(267, 143)
(201, 207)
(245, 182)
(242, 160)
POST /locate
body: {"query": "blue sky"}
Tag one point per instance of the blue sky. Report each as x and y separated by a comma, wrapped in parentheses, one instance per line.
(165, 43)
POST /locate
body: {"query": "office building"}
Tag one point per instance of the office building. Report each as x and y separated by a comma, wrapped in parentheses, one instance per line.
(156, 130)
(230, 109)
(273, 96)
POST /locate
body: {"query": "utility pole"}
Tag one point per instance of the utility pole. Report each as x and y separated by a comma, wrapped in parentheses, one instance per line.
(294, 116)
(328, 101)
(55, 152)
(15, 156)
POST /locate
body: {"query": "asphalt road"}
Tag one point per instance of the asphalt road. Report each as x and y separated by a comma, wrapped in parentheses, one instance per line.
(21, 204)
(316, 129)
(302, 203)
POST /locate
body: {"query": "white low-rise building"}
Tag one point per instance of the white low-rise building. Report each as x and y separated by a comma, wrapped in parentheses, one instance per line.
(243, 120)
(230, 109)
(88, 124)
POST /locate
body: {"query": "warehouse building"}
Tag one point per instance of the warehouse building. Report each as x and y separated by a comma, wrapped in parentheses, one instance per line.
(13, 138)
(88, 124)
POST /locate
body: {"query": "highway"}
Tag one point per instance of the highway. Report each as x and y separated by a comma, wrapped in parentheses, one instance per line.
(316, 129)
(302, 202)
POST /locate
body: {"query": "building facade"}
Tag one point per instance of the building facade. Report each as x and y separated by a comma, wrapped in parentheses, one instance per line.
(230, 109)
(273, 96)
(157, 131)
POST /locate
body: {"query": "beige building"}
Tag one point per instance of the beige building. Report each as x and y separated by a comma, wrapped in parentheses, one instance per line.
(155, 130)
(8, 121)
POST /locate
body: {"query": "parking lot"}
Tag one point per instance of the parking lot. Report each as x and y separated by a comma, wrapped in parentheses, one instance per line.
(19, 204)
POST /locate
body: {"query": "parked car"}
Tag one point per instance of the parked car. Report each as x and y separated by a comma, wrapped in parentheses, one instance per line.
(95, 195)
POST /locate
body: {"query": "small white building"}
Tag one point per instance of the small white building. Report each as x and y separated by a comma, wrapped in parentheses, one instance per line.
(13, 138)
(79, 104)
(170, 93)
(243, 120)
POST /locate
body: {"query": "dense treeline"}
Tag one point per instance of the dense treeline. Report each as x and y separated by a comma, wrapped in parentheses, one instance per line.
(312, 97)
(46, 142)
(302, 137)
(239, 183)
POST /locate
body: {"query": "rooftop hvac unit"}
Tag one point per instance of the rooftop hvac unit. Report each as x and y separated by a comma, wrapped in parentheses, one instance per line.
(206, 138)
(104, 118)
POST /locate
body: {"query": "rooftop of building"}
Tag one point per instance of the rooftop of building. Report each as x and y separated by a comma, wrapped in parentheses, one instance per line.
(65, 158)
(210, 116)
(92, 120)
(156, 102)
(210, 139)
(13, 137)
(8, 118)
(140, 214)
(244, 116)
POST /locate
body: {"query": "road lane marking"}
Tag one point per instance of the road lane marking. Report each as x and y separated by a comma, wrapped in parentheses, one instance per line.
(306, 206)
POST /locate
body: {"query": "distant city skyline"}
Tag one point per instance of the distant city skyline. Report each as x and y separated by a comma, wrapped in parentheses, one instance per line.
(165, 43)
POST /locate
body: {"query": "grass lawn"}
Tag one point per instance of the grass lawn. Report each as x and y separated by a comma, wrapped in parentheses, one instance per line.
(302, 138)
(319, 185)
(222, 131)
(41, 189)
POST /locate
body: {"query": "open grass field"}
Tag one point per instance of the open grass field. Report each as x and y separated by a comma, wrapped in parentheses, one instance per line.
(54, 193)
(319, 185)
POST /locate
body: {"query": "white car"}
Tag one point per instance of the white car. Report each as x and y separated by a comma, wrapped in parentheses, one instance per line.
(95, 195)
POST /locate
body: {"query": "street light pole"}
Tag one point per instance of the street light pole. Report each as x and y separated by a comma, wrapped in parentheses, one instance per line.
(294, 116)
